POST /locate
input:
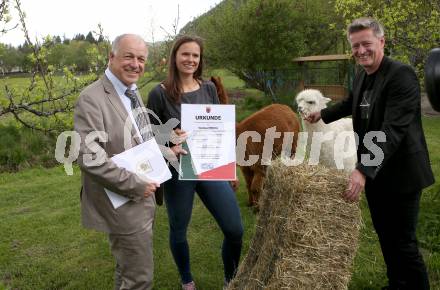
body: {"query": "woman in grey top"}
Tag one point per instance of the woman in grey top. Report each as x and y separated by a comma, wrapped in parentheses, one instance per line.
(185, 85)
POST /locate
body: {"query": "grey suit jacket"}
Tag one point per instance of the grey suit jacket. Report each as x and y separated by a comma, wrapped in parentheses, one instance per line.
(99, 109)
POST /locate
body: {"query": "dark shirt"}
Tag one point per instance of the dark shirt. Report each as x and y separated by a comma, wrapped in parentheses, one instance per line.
(166, 108)
(363, 107)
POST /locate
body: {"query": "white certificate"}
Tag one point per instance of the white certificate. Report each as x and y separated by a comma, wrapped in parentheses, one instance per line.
(210, 142)
(146, 161)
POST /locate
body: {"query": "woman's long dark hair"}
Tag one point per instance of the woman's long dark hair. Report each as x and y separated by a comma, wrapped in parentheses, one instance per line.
(172, 83)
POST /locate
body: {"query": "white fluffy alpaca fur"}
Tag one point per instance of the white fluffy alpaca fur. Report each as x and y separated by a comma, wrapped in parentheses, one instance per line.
(341, 156)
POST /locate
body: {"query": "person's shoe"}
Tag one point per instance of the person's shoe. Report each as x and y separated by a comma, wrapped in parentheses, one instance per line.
(189, 286)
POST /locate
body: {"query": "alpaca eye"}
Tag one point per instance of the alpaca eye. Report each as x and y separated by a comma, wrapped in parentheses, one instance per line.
(311, 102)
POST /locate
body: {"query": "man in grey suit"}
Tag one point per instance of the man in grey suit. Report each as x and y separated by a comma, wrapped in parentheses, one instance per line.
(107, 126)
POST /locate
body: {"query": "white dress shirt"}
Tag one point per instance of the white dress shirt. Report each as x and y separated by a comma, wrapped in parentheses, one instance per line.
(121, 89)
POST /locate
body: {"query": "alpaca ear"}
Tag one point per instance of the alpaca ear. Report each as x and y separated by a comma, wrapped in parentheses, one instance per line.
(326, 100)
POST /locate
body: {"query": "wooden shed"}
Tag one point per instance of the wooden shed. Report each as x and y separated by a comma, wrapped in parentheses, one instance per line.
(337, 88)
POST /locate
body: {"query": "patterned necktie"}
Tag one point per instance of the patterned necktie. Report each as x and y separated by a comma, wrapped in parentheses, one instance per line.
(139, 116)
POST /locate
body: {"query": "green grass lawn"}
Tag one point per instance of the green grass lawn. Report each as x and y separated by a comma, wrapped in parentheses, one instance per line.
(20, 84)
(43, 246)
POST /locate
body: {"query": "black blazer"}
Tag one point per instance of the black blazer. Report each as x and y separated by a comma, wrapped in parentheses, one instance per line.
(395, 111)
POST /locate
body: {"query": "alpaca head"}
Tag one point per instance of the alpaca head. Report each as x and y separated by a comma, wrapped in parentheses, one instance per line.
(309, 101)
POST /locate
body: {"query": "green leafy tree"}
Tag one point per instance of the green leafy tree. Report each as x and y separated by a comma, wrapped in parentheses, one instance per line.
(101, 38)
(158, 53)
(57, 39)
(79, 36)
(412, 27)
(57, 55)
(10, 59)
(257, 39)
(90, 38)
(66, 40)
(25, 50)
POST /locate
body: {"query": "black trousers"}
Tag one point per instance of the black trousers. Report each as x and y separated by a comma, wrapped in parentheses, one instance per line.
(394, 217)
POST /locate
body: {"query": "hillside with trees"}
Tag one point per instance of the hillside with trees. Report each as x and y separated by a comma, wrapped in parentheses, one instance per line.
(257, 38)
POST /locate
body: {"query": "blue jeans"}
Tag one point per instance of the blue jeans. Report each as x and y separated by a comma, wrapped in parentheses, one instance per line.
(219, 199)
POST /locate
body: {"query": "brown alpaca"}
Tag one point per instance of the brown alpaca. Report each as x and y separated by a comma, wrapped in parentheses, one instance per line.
(280, 116)
(221, 92)
(284, 120)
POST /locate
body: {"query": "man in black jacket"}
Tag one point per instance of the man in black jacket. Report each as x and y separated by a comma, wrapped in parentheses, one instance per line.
(393, 162)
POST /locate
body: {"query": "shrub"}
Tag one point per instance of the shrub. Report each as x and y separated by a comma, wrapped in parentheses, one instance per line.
(22, 147)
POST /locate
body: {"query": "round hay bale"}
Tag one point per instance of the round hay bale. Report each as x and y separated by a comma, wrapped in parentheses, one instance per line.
(306, 235)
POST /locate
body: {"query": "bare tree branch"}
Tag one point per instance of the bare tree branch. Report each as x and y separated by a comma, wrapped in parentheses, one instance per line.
(175, 26)
(45, 97)
(4, 16)
(39, 62)
(46, 101)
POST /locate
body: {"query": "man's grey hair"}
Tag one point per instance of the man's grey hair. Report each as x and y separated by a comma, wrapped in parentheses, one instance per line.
(365, 23)
(117, 41)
